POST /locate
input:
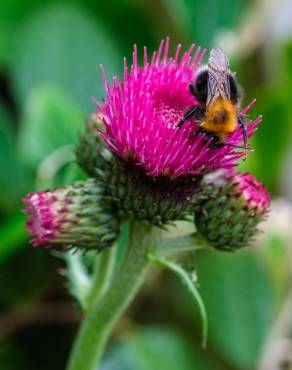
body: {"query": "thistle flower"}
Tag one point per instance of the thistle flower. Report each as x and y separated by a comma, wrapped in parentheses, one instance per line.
(70, 215)
(229, 208)
(141, 113)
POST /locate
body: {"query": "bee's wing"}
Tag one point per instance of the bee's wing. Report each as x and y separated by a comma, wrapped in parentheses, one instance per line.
(218, 80)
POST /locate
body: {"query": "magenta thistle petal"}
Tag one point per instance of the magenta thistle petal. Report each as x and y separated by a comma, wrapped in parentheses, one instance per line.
(141, 112)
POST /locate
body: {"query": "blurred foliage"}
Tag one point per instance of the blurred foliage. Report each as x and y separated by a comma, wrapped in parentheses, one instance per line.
(50, 54)
(69, 59)
(215, 15)
(38, 138)
(26, 287)
(158, 347)
(274, 102)
(240, 302)
(12, 175)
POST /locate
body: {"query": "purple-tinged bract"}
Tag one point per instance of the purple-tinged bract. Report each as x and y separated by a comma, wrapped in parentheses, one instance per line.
(141, 113)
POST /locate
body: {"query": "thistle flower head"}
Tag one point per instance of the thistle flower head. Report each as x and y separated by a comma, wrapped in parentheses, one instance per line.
(70, 216)
(141, 115)
(229, 208)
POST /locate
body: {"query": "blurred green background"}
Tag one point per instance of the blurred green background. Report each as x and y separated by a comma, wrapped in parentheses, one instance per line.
(50, 53)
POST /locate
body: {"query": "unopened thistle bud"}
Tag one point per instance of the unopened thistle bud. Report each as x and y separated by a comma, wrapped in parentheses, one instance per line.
(229, 209)
(70, 215)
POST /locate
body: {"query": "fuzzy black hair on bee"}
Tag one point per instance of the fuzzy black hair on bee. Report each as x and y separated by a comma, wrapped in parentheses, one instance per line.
(217, 99)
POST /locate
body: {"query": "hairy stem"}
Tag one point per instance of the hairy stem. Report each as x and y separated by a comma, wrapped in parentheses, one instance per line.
(106, 310)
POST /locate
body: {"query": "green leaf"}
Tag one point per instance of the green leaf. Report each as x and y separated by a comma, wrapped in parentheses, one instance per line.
(51, 120)
(77, 277)
(63, 44)
(191, 285)
(239, 299)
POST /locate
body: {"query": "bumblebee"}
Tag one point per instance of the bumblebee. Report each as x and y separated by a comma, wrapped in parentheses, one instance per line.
(218, 98)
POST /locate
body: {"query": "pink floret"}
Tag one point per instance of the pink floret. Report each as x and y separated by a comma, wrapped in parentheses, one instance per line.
(253, 191)
(44, 221)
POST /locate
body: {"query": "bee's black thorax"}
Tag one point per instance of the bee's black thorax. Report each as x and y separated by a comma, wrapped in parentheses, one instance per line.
(199, 88)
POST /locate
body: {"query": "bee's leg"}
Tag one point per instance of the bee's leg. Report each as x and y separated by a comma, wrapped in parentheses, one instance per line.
(216, 143)
(189, 113)
(220, 144)
(243, 128)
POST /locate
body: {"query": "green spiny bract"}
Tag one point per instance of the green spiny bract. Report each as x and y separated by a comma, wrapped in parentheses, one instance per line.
(229, 208)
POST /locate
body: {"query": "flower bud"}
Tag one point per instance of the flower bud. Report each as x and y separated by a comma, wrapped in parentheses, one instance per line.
(229, 208)
(70, 215)
(91, 151)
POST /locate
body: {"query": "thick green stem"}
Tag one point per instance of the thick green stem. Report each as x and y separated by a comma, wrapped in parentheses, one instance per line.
(106, 310)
